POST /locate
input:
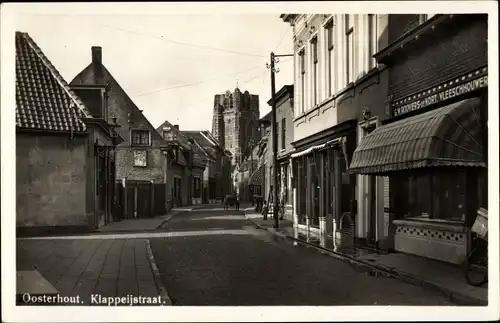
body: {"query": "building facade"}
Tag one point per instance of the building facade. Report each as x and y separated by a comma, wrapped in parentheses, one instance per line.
(64, 150)
(185, 166)
(431, 151)
(217, 179)
(141, 157)
(284, 133)
(337, 85)
(234, 121)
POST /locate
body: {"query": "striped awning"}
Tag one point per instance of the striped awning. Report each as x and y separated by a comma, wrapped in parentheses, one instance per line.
(448, 136)
(315, 148)
(256, 178)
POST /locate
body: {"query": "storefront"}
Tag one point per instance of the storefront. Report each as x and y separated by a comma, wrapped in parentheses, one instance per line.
(324, 191)
(284, 186)
(433, 147)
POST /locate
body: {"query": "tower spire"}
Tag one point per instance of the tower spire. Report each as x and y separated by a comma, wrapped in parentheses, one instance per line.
(237, 79)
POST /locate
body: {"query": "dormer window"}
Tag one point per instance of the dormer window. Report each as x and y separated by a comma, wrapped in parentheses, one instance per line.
(140, 137)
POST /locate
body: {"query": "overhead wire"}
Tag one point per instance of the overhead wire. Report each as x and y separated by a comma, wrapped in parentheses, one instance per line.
(183, 43)
(197, 83)
(194, 45)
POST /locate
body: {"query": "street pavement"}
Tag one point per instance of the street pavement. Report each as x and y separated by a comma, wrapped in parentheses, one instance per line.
(209, 257)
(220, 258)
(81, 267)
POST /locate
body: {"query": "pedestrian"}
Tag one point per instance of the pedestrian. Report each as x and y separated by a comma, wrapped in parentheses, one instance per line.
(237, 203)
(265, 210)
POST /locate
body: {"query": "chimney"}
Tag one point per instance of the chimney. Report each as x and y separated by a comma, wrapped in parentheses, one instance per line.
(176, 126)
(96, 54)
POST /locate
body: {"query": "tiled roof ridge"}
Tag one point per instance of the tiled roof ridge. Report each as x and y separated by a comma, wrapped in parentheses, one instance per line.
(53, 70)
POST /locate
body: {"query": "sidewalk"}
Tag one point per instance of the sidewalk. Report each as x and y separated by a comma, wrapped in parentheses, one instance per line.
(445, 277)
(147, 224)
(77, 269)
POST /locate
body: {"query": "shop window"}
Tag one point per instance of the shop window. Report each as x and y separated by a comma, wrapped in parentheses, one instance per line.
(345, 186)
(286, 197)
(314, 188)
(328, 182)
(301, 179)
(438, 194)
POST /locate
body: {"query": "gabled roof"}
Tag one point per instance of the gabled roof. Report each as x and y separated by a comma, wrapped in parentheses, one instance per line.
(88, 76)
(44, 101)
(184, 141)
(180, 138)
(205, 141)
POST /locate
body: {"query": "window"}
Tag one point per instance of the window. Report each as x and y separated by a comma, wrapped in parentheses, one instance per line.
(372, 40)
(277, 136)
(283, 133)
(302, 81)
(329, 56)
(314, 51)
(140, 137)
(349, 48)
(439, 194)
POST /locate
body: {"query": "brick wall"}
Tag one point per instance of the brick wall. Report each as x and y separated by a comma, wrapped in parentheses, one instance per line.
(458, 50)
(125, 165)
(50, 180)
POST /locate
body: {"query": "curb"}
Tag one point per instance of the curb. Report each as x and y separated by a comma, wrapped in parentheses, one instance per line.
(156, 274)
(459, 298)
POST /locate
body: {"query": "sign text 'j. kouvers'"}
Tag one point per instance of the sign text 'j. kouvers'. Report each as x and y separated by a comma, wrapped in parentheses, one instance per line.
(449, 93)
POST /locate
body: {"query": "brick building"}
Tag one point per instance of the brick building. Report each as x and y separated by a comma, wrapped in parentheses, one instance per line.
(337, 84)
(141, 157)
(64, 150)
(234, 121)
(431, 150)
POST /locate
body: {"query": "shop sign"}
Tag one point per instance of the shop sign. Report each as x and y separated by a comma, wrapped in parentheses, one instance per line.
(462, 85)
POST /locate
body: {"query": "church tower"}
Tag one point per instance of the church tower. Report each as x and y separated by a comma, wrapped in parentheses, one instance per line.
(235, 121)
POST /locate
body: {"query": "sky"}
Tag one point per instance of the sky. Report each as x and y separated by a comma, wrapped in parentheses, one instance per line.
(167, 63)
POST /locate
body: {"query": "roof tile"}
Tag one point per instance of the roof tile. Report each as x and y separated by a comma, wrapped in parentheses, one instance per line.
(44, 100)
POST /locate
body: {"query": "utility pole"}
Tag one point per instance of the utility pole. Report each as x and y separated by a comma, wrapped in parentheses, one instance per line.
(274, 59)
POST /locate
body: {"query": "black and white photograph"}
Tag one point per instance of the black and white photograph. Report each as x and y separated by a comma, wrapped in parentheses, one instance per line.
(237, 161)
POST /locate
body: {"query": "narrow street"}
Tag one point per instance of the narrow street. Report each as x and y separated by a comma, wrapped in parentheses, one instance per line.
(210, 257)
(222, 259)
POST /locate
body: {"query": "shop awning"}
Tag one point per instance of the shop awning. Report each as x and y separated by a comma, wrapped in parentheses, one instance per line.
(448, 136)
(256, 178)
(314, 148)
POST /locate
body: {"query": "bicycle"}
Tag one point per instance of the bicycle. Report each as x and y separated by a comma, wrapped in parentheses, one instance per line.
(476, 263)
